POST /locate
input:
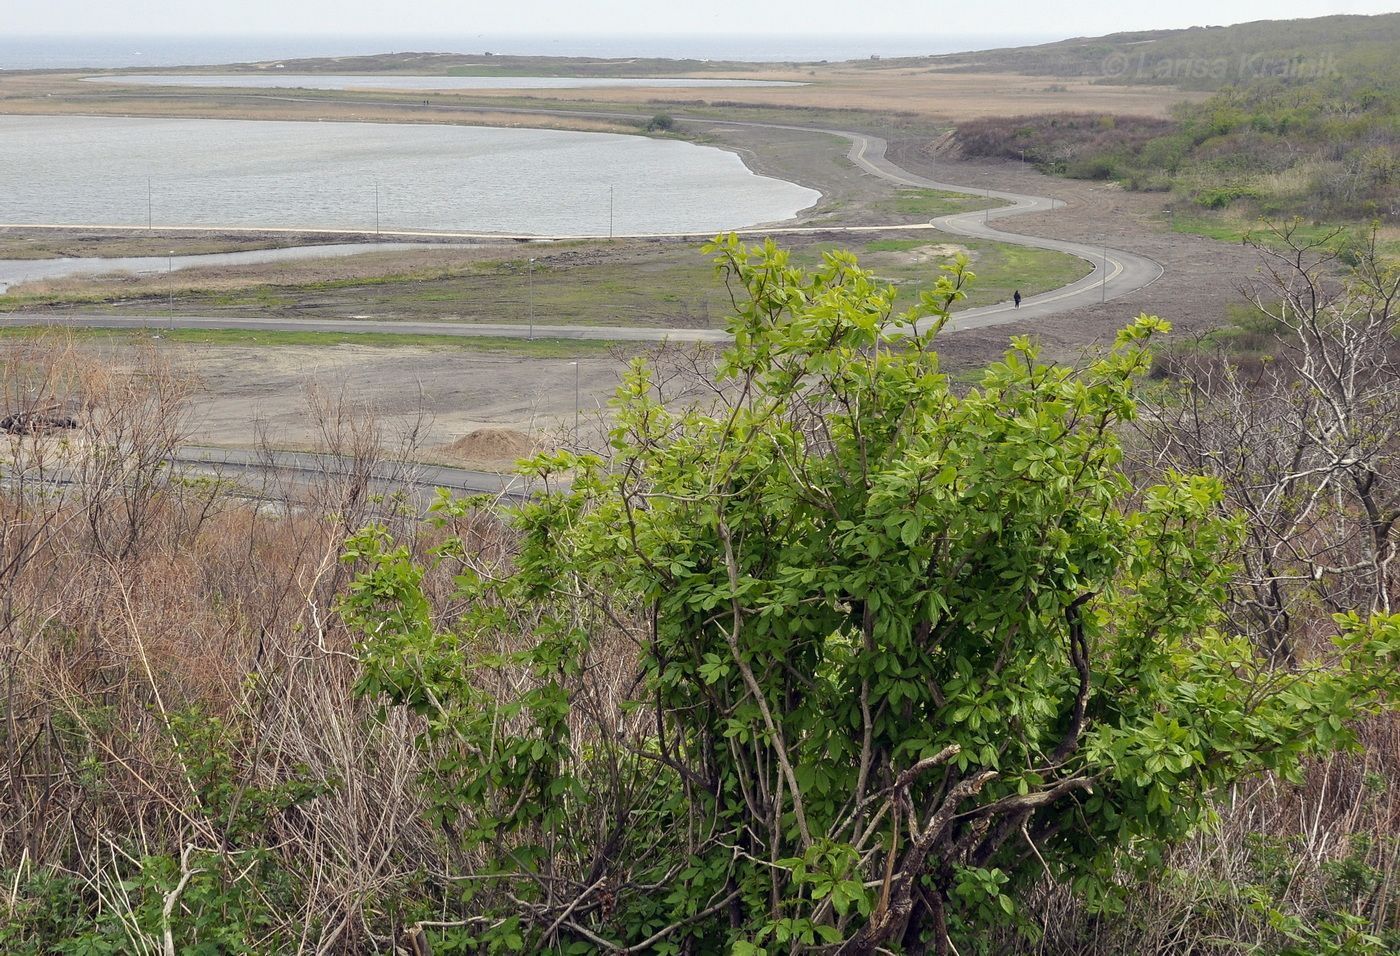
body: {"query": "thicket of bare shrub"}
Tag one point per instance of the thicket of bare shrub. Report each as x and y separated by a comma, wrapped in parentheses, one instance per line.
(1307, 447)
(175, 685)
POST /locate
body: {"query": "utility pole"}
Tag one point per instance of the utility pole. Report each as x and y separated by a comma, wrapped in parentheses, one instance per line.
(170, 288)
(376, 207)
(1103, 286)
(576, 402)
(530, 273)
(610, 212)
(148, 202)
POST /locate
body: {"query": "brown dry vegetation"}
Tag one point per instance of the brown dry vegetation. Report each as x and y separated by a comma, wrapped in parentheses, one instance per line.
(44, 94)
(133, 601)
(922, 92)
(30, 243)
(930, 93)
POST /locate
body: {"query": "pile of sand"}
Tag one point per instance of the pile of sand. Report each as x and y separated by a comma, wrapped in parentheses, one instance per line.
(490, 444)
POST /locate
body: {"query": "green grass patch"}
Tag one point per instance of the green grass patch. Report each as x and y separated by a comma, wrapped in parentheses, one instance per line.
(656, 286)
(1248, 330)
(894, 245)
(1000, 268)
(932, 203)
(1234, 230)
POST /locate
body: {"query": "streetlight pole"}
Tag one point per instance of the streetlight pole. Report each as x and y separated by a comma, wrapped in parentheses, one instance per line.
(610, 212)
(576, 402)
(376, 207)
(530, 273)
(148, 202)
(170, 288)
(1103, 285)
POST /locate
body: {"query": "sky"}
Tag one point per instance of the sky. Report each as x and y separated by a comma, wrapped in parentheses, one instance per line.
(645, 17)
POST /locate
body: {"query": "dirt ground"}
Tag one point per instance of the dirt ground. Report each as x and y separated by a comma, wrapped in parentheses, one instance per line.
(244, 391)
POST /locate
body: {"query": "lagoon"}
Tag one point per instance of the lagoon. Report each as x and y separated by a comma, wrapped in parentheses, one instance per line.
(89, 170)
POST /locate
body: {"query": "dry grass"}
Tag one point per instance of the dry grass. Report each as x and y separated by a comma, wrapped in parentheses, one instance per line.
(27, 243)
(928, 93)
(66, 95)
(1303, 847)
(932, 94)
(132, 601)
(923, 92)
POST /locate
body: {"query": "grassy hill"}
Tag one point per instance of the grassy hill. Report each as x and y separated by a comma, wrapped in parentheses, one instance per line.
(1318, 137)
(1295, 52)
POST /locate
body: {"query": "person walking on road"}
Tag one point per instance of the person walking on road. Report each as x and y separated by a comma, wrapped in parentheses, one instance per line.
(1017, 298)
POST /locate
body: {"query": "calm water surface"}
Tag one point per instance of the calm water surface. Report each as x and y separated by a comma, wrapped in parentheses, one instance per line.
(17, 271)
(96, 170)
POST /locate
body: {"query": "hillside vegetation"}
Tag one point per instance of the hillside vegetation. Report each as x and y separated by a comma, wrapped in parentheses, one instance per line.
(1205, 58)
(1324, 146)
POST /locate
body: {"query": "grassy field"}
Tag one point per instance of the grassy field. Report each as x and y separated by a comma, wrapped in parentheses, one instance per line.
(622, 284)
(1233, 228)
(1304, 121)
(931, 203)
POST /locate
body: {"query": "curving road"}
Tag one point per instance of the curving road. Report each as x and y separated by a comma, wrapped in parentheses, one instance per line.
(1116, 272)
(264, 474)
(303, 467)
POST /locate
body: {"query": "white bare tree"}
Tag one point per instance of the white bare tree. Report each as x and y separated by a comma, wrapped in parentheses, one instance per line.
(1307, 444)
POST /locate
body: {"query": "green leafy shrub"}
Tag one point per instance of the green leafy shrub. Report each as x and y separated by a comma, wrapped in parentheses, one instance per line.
(846, 658)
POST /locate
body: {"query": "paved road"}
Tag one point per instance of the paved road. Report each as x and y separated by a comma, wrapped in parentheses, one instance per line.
(251, 470)
(1116, 272)
(306, 467)
(464, 329)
